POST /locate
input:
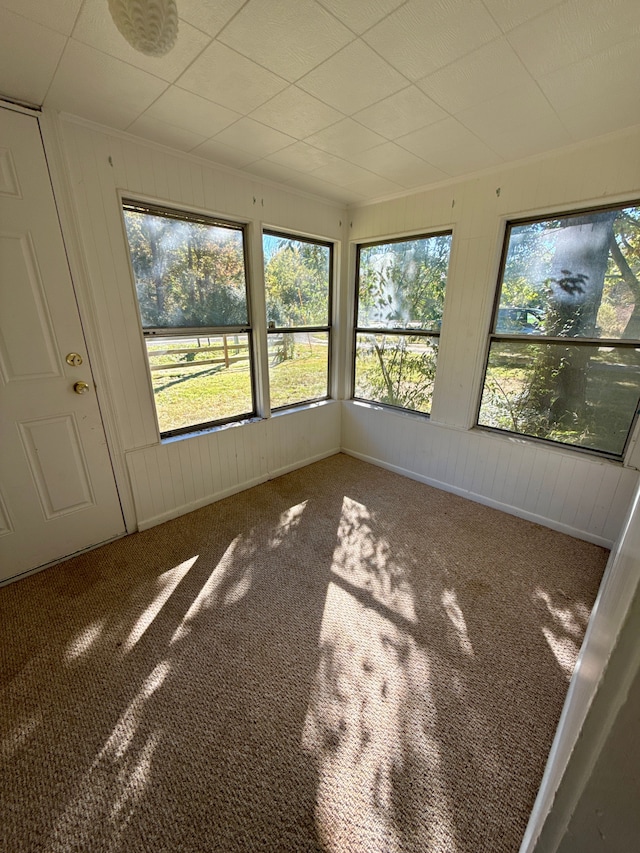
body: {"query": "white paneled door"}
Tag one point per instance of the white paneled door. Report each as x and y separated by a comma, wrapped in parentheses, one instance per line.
(57, 490)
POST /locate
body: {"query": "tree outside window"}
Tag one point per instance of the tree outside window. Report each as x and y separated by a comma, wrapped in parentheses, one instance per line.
(190, 280)
(400, 302)
(564, 354)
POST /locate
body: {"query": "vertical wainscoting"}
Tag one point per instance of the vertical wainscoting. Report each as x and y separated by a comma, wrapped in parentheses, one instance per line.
(567, 491)
(182, 475)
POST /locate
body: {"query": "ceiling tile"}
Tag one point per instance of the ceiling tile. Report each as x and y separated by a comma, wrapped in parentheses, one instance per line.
(223, 76)
(297, 113)
(98, 87)
(599, 94)
(58, 15)
(359, 15)
(311, 184)
(167, 134)
(449, 146)
(509, 13)
(224, 154)
(27, 81)
(96, 28)
(254, 138)
(492, 69)
(345, 138)
(396, 164)
(341, 172)
(194, 114)
(375, 187)
(420, 176)
(420, 37)
(302, 157)
(271, 171)
(573, 31)
(287, 38)
(353, 79)
(516, 123)
(401, 113)
(209, 17)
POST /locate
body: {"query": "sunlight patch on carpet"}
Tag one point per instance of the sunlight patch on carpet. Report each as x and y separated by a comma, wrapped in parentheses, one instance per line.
(169, 580)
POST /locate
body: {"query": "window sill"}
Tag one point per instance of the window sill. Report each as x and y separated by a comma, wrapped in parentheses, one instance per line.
(195, 433)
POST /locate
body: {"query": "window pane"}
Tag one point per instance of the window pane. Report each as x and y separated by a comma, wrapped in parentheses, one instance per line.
(187, 274)
(199, 380)
(573, 276)
(585, 396)
(298, 367)
(397, 370)
(297, 277)
(401, 285)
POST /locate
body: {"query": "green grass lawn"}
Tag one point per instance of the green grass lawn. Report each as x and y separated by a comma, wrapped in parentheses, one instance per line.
(190, 394)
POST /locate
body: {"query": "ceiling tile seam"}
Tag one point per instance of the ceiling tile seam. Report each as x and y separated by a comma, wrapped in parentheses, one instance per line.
(266, 126)
(13, 12)
(293, 82)
(459, 59)
(349, 163)
(281, 92)
(537, 79)
(552, 108)
(222, 28)
(184, 70)
(422, 127)
(232, 18)
(535, 17)
(633, 37)
(462, 124)
(375, 24)
(237, 52)
(439, 68)
(53, 76)
(493, 18)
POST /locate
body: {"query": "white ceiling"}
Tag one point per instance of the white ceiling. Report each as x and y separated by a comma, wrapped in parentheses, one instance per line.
(349, 99)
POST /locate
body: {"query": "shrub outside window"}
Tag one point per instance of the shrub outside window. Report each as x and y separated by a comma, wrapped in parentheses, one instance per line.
(564, 352)
(298, 277)
(399, 306)
(190, 278)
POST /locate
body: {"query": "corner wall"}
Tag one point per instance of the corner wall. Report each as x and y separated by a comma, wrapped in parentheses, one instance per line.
(563, 488)
(165, 479)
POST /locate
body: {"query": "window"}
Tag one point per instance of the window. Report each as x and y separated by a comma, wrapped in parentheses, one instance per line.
(564, 353)
(400, 299)
(298, 276)
(190, 279)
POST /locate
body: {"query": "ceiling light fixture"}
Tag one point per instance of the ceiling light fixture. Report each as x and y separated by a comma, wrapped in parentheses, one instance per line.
(150, 26)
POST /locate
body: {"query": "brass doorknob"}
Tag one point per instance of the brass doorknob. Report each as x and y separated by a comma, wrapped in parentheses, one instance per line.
(80, 387)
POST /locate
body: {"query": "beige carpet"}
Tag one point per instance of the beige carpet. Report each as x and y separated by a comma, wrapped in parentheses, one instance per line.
(338, 660)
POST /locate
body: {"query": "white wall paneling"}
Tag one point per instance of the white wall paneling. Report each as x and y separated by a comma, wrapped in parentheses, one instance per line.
(572, 492)
(182, 475)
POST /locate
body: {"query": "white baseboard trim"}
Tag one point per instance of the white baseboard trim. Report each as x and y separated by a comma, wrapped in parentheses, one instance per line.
(286, 469)
(183, 509)
(486, 501)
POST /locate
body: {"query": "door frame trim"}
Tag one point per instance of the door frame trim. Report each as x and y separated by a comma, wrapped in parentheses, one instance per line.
(50, 133)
